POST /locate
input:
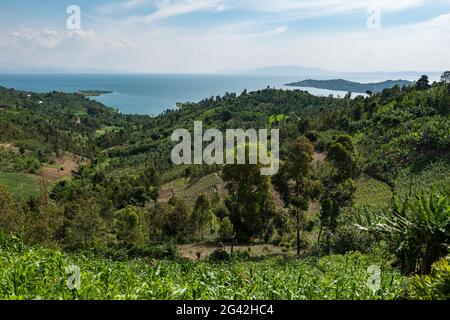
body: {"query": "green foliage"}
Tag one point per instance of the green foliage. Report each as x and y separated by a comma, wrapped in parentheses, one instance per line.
(398, 138)
(36, 273)
(249, 201)
(205, 185)
(201, 216)
(21, 163)
(294, 181)
(417, 231)
(177, 221)
(219, 255)
(44, 220)
(131, 226)
(21, 185)
(372, 192)
(346, 238)
(339, 186)
(226, 229)
(423, 83)
(85, 228)
(432, 287)
(12, 219)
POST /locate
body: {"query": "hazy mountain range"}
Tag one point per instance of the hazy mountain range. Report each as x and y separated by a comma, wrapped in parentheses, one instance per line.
(304, 73)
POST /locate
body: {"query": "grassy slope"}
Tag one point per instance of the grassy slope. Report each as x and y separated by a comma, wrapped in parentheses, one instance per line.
(22, 185)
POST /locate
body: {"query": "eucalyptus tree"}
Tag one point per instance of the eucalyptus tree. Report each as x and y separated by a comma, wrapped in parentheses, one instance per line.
(294, 181)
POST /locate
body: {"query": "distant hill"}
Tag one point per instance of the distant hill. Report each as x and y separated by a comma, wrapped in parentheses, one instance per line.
(302, 73)
(344, 85)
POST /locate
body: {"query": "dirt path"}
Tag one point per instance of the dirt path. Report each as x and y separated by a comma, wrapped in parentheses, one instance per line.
(255, 250)
(318, 157)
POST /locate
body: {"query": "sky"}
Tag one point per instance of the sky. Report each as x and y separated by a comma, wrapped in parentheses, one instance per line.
(207, 36)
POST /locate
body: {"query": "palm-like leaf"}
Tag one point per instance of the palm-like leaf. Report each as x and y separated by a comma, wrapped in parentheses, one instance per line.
(418, 231)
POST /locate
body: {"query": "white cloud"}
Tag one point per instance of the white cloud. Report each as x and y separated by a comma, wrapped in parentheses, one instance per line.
(171, 8)
(46, 39)
(326, 7)
(126, 5)
(277, 30)
(167, 8)
(244, 44)
(282, 10)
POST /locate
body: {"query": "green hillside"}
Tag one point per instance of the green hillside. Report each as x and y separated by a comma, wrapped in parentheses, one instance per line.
(368, 175)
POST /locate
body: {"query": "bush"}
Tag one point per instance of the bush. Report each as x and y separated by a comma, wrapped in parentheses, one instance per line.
(347, 238)
(240, 255)
(311, 135)
(11, 218)
(119, 252)
(219, 255)
(417, 231)
(226, 231)
(433, 287)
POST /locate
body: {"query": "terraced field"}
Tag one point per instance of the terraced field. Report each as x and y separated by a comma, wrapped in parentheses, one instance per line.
(208, 185)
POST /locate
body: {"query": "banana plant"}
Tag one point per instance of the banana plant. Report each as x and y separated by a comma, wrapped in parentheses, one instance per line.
(417, 231)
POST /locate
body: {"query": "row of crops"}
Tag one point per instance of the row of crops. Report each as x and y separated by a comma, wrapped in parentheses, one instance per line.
(207, 185)
(37, 273)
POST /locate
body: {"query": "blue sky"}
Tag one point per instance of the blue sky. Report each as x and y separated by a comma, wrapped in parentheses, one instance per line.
(213, 35)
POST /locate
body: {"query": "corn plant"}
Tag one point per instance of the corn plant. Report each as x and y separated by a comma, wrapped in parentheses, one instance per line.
(38, 273)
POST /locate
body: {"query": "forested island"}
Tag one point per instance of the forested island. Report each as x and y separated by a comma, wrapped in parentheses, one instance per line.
(93, 93)
(350, 86)
(363, 183)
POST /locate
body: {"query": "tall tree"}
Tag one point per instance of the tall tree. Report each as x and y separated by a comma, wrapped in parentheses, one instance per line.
(11, 218)
(178, 220)
(423, 83)
(339, 186)
(249, 199)
(201, 215)
(131, 226)
(294, 181)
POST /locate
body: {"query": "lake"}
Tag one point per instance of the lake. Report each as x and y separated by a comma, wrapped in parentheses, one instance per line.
(149, 94)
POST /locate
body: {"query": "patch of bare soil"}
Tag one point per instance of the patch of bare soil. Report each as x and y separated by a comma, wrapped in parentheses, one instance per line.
(191, 251)
(9, 147)
(165, 195)
(318, 157)
(62, 168)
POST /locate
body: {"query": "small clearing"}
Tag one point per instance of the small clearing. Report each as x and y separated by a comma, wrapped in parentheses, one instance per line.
(62, 168)
(9, 147)
(190, 251)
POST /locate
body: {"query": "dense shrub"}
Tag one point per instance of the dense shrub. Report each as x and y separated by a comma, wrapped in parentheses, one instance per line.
(219, 255)
(417, 231)
(432, 287)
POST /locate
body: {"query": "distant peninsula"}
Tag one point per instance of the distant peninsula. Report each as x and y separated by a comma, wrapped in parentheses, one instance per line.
(93, 93)
(344, 85)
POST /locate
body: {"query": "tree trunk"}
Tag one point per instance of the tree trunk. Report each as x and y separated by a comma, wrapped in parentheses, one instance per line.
(320, 234)
(298, 232)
